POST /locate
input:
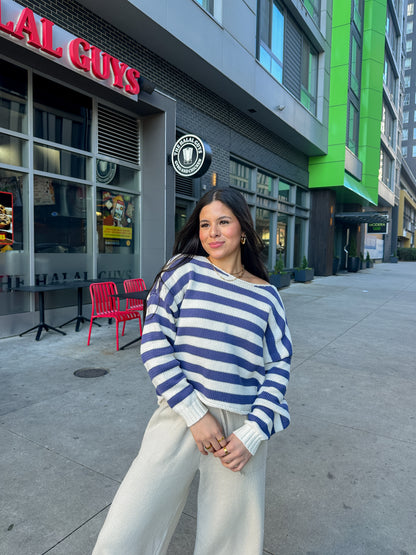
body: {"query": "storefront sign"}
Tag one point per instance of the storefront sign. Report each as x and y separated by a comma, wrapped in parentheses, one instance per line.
(6, 218)
(377, 227)
(21, 25)
(191, 156)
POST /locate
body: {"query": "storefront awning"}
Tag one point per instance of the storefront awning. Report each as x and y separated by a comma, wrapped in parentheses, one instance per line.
(362, 217)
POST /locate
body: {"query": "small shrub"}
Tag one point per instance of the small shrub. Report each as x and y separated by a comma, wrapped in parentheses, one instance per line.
(279, 266)
(406, 253)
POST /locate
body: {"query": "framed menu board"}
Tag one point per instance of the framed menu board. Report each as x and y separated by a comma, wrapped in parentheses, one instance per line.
(6, 218)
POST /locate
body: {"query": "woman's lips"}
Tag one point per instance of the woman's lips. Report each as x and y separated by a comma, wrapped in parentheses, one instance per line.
(215, 245)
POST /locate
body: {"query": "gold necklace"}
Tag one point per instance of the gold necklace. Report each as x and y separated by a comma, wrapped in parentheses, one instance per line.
(236, 275)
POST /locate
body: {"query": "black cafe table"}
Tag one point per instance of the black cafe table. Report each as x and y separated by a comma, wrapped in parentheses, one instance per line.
(42, 289)
(138, 295)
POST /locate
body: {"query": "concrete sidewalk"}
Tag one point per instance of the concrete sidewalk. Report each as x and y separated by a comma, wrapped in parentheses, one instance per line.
(341, 479)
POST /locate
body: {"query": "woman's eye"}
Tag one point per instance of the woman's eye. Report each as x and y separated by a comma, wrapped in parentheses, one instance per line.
(203, 225)
(222, 222)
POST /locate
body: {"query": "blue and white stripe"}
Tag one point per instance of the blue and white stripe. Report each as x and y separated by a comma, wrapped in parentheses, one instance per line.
(226, 344)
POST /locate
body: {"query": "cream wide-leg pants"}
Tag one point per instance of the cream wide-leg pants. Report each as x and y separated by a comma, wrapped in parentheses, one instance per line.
(150, 500)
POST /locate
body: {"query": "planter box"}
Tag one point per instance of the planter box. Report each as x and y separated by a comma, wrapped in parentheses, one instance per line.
(304, 275)
(369, 264)
(353, 264)
(335, 266)
(280, 280)
(394, 259)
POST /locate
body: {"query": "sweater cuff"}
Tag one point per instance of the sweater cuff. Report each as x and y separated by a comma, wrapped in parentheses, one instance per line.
(191, 409)
(249, 436)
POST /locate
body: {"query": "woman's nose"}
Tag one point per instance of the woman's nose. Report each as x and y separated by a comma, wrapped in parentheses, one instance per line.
(214, 231)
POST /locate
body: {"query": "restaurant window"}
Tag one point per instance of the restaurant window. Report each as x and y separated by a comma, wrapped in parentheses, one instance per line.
(299, 244)
(265, 184)
(284, 191)
(264, 228)
(14, 236)
(241, 175)
(282, 239)
(61, 115)
(60, 214)
(271, 37)
(13, 97)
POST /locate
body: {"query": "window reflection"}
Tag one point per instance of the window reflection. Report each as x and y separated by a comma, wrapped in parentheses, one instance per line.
(115, 222)
(13, 97)
(60, 216)
(61, 115)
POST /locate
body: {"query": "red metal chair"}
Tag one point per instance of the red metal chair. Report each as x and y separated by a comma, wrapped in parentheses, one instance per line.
(105, 304)
(130, 285)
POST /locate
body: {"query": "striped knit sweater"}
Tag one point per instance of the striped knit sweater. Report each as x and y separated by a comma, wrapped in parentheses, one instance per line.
(210, 342)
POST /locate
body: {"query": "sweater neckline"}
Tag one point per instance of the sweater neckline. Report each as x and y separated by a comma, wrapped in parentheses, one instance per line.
(233, 279)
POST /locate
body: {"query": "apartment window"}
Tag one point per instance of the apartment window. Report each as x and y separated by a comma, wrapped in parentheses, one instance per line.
(414, 133)
(389, 77)
(314, 9)
(358, 14)
(405, 134)
(208, 5)
(414, 115)
(406, 117)
(409, 27)
(391, 32)
(410, 8)
(406, 81)
(414, 151)
(407, 63)
(355, 66)
(406, 100)
(387, 125)
(386, 168)
(271, 33)
(353, 128)
(409, 45)
(404, 151)
(309, 76)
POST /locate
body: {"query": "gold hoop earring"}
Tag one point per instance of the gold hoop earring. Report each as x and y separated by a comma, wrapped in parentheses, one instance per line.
(243, 239)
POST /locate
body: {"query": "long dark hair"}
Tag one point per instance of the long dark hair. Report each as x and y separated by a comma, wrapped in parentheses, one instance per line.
(188, 244)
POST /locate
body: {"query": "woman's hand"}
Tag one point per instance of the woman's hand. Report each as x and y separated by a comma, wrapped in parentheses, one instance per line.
(208, 434)
(234, 455)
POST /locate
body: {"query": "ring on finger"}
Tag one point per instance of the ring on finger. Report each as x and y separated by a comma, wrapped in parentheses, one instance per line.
(225, 450)
(221, 439)
(208, 446)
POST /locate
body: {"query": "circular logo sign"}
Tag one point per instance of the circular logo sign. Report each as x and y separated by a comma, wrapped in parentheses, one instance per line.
(191, 156)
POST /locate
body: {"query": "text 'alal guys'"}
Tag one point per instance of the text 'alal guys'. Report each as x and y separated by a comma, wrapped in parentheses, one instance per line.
(82, 55)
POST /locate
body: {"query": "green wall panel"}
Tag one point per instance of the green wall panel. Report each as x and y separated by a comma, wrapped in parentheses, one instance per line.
(328, 171)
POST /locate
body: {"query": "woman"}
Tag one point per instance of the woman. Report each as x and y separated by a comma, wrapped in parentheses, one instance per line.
(217, 348)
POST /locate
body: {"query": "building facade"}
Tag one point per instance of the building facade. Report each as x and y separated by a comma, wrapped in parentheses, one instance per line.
(355, 185)
(93, 98)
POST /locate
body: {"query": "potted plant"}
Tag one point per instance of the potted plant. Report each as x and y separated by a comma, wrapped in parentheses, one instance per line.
(353, 259)
(304, 272)
(368, 261)
(278, 277)
(394, 258)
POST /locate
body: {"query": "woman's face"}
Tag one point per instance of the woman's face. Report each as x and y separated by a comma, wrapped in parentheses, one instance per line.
(219, 231)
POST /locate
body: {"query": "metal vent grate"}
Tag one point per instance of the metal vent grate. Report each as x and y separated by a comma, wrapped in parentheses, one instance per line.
(184, 185)
(118, 135)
